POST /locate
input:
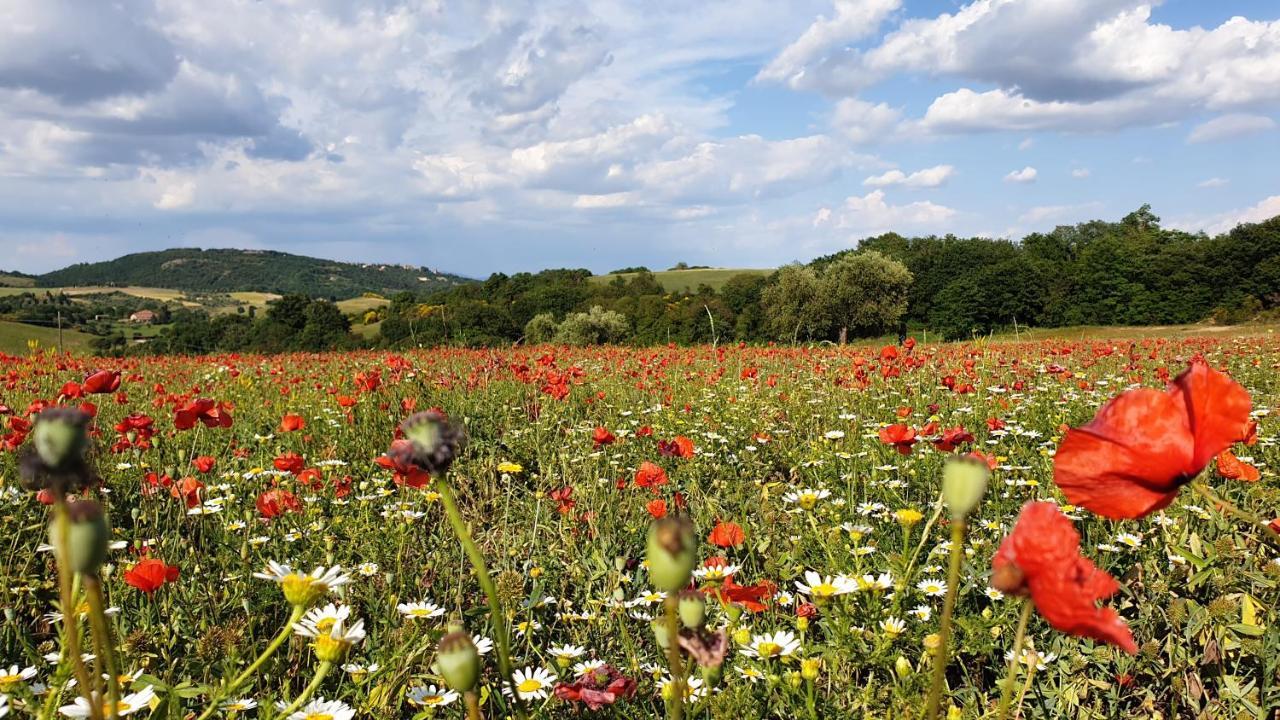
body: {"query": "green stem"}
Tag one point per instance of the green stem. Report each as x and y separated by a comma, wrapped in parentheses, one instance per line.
(497, 616)
(1006, 693)
(944, 632)
(103, 640)
(676, 706)
(1228, 508)
(70, 611)
(473, 705)
(310, 690)
(240, 679)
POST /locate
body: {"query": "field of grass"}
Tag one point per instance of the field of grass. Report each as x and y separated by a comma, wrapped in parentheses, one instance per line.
(148, 293)
(7, 280)
(360, 305)
(14, 337)
(689, 280)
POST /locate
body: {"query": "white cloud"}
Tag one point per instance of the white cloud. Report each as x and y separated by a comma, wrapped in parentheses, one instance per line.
(1215, 182)
(927, 178)
(1026, 144)
(177, 196)
(863, 122)
(853, 20)
(1081, 173)
(1230, 126)
(1057, 213)
(871, 214)
(1223, 222)
(1025, 175)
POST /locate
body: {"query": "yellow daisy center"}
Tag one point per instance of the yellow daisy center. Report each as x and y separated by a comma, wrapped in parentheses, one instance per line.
(530, 685)
(319, 716)
(768, 649)
(10, 679)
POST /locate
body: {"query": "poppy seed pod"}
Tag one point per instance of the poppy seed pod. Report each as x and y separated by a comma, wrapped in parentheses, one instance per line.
(693, 609)
(86, 537)
(964, 482)
(459, 661)
(60, 437)
(672, 553)
(434, 442)
(661, 633)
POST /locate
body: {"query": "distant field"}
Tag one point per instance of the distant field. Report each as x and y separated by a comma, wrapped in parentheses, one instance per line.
(14, 337)
(148, 293)
(7, 280)
(353, 306)
(368, 332)
(688, 280)
(257, 299)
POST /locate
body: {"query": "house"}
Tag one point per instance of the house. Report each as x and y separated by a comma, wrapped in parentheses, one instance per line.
(144, 317)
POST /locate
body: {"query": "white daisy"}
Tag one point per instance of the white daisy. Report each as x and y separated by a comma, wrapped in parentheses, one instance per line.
(129, 704)
(932, 587)
(532, 683)
(778, 645)
(425, 610)
(239, 705)
(431, 696)
(566, 652)
(321, 709)
(821, 587)
(15, 675)
(806, 498)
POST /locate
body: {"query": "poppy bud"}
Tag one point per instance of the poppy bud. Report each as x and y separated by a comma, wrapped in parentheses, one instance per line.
(459, 661)
(660, 632)
(60, 437)
(434, 442)
(86, 537)
(693, 609)
(964, 482)
(671, 552)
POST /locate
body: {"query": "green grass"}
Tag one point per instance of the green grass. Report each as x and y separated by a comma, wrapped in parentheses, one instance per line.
(360, 305)
(148, 293)
(14, 337)
(368, 332)
(7, 280)
(689, 280)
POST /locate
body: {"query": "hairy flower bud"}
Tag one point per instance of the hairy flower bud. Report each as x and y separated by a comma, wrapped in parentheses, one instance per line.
(434, 442)
(459, 661)
(964, 482)
(693, 609)
(661, 633)
(86, 537)
(672, 553)
(60, 437)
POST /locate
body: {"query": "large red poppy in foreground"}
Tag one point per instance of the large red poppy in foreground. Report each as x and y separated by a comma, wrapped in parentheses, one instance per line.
(1142, 446)
(1041, 558)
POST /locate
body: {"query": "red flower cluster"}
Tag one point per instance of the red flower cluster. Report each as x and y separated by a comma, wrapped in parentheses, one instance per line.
(597, 688)
(203, 410)
(900, 436)
(274, 503)
(149, 575)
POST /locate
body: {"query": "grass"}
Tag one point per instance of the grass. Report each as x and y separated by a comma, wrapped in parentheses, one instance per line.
(14, 337)
(688, 280)
(148, 293)
(368, 332)
(360, 305)
(7, 280)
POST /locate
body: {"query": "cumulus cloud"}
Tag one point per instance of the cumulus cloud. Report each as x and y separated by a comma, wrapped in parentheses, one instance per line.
(852, 20)
(1081, 173)
(1025, 175)
(1226, 127)
(1225, 221)
(871, 214)
(927, 178)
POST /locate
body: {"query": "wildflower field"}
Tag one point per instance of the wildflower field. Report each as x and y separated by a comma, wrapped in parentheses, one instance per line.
(279, 545)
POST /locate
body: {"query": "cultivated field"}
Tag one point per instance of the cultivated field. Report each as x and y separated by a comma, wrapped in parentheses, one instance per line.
(688, 280)
(812, 479)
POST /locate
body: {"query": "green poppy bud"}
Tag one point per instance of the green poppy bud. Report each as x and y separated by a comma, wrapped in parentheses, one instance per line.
(693, 609)
(661, 632)
(964, 482)
(60, 437)
(459, 661)
(86, 537)
(672, 553)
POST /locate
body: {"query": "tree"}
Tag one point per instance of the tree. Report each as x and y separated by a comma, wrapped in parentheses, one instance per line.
(541, 329)
(792, 308)
(594, 327)
(864, 293)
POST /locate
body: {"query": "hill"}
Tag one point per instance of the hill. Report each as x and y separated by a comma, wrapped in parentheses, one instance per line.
(16, 279)
(14, 337)
(688, 280)
(225, 271)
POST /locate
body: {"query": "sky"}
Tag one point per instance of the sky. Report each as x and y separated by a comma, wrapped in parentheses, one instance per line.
(478, 137)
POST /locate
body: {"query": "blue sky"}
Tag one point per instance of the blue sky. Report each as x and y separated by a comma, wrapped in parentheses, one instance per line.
(478, 137)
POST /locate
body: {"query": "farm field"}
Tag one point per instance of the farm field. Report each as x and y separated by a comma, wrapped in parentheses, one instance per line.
(688, 280)
(811, 478)
(15, 336)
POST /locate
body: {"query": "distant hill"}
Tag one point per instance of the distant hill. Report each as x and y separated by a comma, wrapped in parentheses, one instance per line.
(16, 279)
(687, 280)
(225, 271)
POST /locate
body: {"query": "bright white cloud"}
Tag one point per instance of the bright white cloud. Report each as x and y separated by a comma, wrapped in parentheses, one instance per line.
(872, 214)
(853, 20)
(927, 178)
(1025, 175)
(1231, 126)
(1215, 182)
(1225, 221)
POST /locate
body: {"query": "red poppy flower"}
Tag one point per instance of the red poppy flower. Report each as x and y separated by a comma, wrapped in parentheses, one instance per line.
(602, 436)
(274, 503)
(292, 423)
(290, 462)
(651, 476)
(1041, 558)
(204, 463)
(564, 499)
(952, 438)
(597, 688)
(901, 437)
(403, 473)
(657, 508)
(1144, 444)
(727, 534)
(202, 410)
(150, 575)
(102, 382)
(1233, 468)
(188, 491)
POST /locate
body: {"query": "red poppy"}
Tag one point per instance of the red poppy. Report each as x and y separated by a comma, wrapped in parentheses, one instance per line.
(597, 688)
(1144, 444)
(202, 410)
(102, 382)
(564, 499)
(1233, 468)
(602, 436)
(952, 438)
(727, 534)
(728, 591)
(149, 575)
(901, 437)
(651, 476)
(188, 491)
(290, 462)
(274, 503)
(657, 508)
(204, 463)
(403, 473)
(1041, 558)
(292, 423)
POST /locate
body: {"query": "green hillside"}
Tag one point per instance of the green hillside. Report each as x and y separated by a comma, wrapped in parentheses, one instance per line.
(9, 279)
(14, 337)
(226, 271)
(688, 280)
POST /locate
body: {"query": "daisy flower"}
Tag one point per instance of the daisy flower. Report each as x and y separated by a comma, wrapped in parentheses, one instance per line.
(425, 610)
(694, 688)
(932, 587)
(753, 674)
(431, 696)
(483, 644)
(587, 666)
(367, 569)
(714, 573)
(321, 620)
(893, 627)
(302, 589)
(4, 705)
(778, 645)
(806, 498)
(821, 587)
(239, 705)
(129, 704)
(566, 652)
(321, 709)
(15, 675)
(532, 683)
(921, 612)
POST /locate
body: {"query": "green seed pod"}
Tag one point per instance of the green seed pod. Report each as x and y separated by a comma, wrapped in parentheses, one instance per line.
(964, 482)
(693, 609)
(672, 553)
(86, 537)
(459, 661)
(660, 632)
(60, 437)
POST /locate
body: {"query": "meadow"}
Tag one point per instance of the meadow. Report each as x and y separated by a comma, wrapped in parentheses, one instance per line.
(811, 476)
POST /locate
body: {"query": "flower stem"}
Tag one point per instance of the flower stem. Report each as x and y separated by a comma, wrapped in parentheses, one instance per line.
(497, 616)
(103, 640)
(1228, 508)
(676, 706)
(1006, 693)
(942, 654)
(310, 690)
(473, 705)
(243, 677)
(70, 611)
